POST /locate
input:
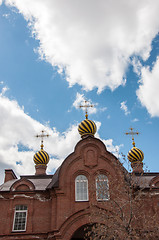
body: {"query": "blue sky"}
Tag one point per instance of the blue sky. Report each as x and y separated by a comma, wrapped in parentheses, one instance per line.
(54, 54)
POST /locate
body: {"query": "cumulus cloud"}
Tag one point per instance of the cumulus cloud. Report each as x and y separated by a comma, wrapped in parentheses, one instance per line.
(4, 89)
(111, 148)
(124, 107)
(148, 89)
(16, 128)
(18, 142)
(135, 120)
(136, 66)
(92, 41)
(80, 101)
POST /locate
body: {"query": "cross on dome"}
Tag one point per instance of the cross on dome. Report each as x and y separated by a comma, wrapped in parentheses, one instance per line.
(132, 133)
(86, 105)
(42, 135)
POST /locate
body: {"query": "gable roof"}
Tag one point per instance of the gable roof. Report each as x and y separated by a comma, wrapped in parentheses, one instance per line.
(39, 181)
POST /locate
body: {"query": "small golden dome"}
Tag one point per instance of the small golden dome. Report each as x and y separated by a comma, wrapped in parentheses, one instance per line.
(135, 155)
(41, 158)
(87, 127)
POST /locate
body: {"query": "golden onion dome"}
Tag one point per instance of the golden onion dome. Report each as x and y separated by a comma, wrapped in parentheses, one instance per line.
(87, 127)
(135, 155)
(41, 158)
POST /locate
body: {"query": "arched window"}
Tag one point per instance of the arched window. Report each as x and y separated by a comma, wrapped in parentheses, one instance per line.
(20, 217)
(102, 187)
(81, 188)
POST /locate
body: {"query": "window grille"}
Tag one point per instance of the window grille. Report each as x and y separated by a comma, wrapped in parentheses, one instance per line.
(20, 217)
(81, 188)
(102, 187)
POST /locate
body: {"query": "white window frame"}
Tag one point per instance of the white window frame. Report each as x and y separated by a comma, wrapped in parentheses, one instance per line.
(81, 183)
(99, 181)
(22, 209)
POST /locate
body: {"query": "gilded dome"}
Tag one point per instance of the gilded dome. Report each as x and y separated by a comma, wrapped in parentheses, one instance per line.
(87, 127)
(135, 155)
(41, 158)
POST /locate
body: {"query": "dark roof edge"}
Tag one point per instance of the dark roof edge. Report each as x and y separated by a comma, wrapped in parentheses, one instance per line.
(55, 179)
(147, 174)
(37, 176)
(11, 170)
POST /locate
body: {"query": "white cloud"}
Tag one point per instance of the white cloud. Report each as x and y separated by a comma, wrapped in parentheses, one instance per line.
(92, 40)
(136, 66)
(4, 89)
(103, 109)
(111, 148)
(135, 120)
(18, 142)
(80, 101)
(16, 128)
(148, 89)
(18, 131)
(124, 107)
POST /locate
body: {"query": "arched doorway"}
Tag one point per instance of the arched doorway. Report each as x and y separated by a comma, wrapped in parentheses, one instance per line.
(81, 233)
(91, 231)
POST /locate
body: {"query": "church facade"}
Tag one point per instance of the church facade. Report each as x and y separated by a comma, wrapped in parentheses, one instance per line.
(90, 196)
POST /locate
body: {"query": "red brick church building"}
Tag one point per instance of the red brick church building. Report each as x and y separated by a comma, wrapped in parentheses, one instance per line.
(90, 196)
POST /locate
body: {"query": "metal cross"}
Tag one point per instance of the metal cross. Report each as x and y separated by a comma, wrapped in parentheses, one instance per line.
(86, 106)
(132, 134)
(42, 135)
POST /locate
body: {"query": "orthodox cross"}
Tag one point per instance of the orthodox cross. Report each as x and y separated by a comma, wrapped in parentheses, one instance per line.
(42, 135)
(132, 133)
(86, 105)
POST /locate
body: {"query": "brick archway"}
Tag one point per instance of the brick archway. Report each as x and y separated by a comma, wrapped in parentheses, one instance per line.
(81, 232)
(72, 225)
